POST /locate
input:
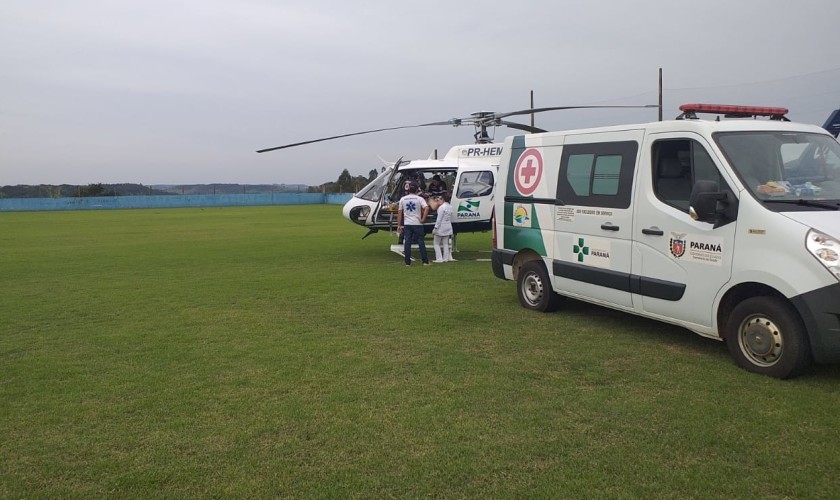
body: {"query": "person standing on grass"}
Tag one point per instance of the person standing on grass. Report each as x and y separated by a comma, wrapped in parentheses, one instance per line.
(443, 230)
(410, 217)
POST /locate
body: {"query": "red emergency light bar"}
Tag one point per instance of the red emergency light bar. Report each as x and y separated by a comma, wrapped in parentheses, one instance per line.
(690, 111)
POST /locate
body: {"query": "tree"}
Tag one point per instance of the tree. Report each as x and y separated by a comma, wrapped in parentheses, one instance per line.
(93, 190)
(345, 180)
(372, 175)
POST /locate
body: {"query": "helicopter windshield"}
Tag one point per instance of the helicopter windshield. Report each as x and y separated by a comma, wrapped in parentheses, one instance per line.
(373, 191)
(780, 166)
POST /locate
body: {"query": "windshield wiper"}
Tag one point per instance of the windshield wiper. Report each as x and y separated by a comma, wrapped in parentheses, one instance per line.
(807, 203)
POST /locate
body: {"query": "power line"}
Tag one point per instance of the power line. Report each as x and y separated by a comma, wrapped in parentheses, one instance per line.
(744, 84)
(792, 77)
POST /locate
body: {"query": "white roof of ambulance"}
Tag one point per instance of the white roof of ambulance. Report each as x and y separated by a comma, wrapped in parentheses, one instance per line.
(701, 126)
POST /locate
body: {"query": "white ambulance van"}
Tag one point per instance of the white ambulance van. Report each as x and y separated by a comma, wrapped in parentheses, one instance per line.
(727, 227)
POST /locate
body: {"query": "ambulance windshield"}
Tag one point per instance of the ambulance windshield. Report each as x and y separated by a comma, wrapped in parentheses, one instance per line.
(784, 166)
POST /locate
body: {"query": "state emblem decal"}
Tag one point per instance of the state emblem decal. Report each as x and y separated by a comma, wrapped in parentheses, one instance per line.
(677, 244)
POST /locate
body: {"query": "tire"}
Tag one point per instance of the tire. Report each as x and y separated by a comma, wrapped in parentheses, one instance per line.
(534, 288)
(765, 335)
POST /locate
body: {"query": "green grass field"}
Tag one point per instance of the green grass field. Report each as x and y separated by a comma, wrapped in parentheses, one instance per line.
(271, 352)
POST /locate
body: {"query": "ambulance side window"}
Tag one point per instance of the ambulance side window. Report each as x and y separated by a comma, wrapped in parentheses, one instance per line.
(597, 175)
(579, 173)
(677, 165)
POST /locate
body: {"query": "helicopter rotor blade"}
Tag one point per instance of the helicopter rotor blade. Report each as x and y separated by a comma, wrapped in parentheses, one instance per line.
(559, 108)
(521, 126)
(482, 119)
(351, 135)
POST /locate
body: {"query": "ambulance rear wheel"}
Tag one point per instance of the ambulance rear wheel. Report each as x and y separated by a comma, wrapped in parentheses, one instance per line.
(534, 287)
(766, 336)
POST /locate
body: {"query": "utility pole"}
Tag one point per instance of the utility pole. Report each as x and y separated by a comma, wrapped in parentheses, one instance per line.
(660, 94)
(532, 107)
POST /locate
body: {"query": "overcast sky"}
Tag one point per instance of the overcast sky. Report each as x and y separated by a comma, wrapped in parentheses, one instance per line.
(185, 91)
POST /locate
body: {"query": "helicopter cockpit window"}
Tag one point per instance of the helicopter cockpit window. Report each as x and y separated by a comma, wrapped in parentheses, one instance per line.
(475, 184)
(373, 191)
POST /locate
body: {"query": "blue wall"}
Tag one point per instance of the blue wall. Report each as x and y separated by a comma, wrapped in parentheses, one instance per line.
(170, 201)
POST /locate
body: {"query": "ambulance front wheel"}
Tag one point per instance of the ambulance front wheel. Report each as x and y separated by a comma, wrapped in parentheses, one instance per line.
(534, 287)
(766, 336)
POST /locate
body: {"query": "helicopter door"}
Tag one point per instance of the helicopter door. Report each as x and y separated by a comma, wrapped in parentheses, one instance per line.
(473, 200)
(378, 196)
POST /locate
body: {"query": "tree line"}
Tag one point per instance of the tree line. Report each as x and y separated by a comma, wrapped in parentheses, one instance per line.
(345, 183)
(128, 189)
(75, 191)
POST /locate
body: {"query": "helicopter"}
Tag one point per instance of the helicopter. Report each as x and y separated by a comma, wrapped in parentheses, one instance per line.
(468, 173)
(832, 124)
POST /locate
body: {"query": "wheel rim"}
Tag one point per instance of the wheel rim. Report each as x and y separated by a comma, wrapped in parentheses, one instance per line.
(532, 288)
(760, 340)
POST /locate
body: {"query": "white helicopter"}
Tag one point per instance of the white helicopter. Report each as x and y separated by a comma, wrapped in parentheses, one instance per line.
(467, 171)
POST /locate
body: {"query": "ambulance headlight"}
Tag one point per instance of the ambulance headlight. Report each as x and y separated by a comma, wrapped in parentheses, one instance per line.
(826, 249)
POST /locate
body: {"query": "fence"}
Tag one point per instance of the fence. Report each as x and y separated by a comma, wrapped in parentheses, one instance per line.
(170, 201)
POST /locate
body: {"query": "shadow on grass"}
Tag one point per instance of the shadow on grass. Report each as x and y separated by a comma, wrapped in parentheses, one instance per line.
(649, 329)
(823, 372)
(672, 337)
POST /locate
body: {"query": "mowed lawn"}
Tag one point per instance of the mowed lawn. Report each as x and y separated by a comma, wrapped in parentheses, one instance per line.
(271, 352)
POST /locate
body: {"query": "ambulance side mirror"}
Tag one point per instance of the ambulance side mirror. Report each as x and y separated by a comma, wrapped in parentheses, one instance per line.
(709, 204)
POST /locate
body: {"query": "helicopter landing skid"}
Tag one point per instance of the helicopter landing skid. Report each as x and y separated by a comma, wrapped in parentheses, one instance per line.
(399, 249)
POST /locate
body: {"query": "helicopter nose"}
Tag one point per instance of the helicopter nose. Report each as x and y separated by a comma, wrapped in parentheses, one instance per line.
(357, 211)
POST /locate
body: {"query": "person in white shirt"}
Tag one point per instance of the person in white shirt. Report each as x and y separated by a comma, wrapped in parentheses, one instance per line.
(410, 217)
(443, 230)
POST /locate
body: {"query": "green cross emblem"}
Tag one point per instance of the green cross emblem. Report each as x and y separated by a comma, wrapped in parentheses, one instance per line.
(580, 250)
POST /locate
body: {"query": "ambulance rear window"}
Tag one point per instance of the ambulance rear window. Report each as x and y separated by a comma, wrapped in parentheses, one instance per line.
(598, 174)
(589, 175)
(578, 173)
(605, 179)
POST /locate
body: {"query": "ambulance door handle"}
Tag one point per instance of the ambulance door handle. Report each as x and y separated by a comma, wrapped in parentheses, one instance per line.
(653, 231)
(609, 227)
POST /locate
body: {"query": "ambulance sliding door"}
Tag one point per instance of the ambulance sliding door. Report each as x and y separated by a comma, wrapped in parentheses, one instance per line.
(593, 217)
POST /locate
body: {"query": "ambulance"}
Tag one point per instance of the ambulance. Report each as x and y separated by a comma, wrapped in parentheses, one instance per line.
(725, 225)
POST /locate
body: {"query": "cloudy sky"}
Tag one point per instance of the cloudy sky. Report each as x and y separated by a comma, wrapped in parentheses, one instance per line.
(185, 91)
